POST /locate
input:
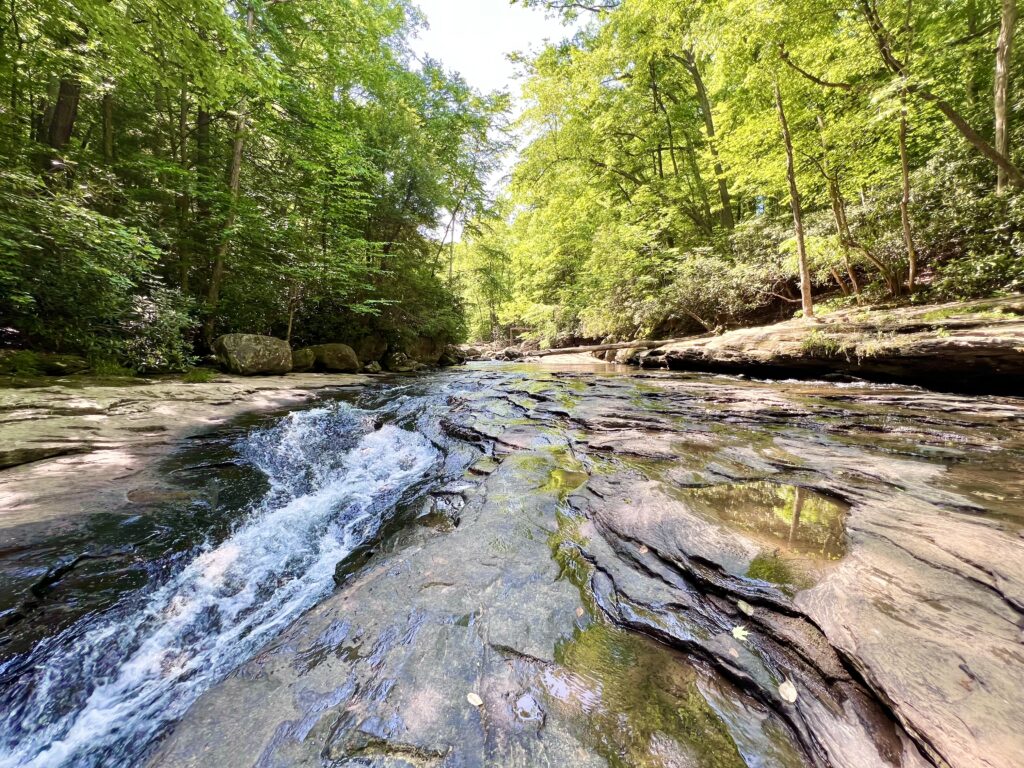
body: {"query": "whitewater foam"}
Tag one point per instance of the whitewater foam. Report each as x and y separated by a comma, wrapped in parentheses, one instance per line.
(123, 677)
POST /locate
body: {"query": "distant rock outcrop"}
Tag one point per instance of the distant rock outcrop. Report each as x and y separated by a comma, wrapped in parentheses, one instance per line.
(337, 358)
(968, 346)
(250, 355)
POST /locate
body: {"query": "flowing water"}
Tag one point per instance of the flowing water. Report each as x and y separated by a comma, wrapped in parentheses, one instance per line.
(101, 653)
(99, 692)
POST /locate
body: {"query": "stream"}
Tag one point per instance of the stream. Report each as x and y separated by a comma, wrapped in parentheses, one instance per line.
(626, 569)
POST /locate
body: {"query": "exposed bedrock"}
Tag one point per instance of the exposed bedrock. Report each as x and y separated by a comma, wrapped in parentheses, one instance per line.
(665, 571)
(976, 346)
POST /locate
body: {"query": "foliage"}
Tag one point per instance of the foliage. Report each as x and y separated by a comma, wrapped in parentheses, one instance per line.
(174, 170)
(653, 197)
(199, 375)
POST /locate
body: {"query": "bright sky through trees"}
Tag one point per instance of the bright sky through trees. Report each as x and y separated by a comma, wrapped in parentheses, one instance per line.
(474, 38)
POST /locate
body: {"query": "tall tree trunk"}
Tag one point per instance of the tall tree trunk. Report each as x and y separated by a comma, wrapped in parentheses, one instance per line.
(660, 104)
(234, 186)
(108, 127)
(908, 234)
(65, 111)
(806, 298)
(44, 112)
(835, 196)
(1004, 53)
(971, 80)
(16, 57)
(183, 202)
(690, 62)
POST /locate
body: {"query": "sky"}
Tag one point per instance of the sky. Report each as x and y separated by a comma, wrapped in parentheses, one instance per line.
(473, 37)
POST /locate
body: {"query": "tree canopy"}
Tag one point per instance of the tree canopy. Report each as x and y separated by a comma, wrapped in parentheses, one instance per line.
(173, 170)
(697, 165)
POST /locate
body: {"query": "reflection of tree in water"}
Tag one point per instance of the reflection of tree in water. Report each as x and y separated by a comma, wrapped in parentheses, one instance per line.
(632, 693)
(798, 519)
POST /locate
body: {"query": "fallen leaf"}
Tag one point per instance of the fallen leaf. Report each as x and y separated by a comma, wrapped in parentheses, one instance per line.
(579, 613)
(734, 653)
(643, 549)
(475, 700)
(740, 632)
(746, 607)
(787, 691)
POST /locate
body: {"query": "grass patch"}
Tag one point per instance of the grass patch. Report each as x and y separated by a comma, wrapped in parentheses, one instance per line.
(21, 363)
(103, 366)
(819, 344)
(979, 313)
(200, 375)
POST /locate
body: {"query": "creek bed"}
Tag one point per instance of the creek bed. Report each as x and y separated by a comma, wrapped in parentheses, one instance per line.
(626, 569)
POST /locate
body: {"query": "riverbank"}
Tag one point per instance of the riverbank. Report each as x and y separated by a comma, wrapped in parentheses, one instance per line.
(82, 444)
(973, 346)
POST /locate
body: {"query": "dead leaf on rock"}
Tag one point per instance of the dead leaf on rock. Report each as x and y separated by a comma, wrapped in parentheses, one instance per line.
(734, 653)
(475, 700)
(746, 607)
(579, 613)
(643, 549)
(740, 632)
(787, 691)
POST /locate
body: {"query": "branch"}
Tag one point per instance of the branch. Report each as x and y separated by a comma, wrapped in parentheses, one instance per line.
(784, 55)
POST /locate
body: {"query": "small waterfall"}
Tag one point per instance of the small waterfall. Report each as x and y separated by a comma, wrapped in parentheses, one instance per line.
(101, 692)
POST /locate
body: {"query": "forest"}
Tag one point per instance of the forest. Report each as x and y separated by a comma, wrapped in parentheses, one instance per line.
(177, 169)
(697, 166)
(511, 383)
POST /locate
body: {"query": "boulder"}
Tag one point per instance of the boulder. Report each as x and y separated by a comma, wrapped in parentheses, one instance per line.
(509, 353)
(372, 367)
(452, 355)
(370, 348)
(469, 353)
(250, 355)
(399, 362)
(425, 349)
(337, 358)
(303, 359)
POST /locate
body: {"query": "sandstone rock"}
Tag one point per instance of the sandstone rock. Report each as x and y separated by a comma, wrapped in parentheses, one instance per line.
(250, 355)
(628, 356)
(425, 349)
(303, 359)
(970, 346)
(399, 362)
(452, 356)
(337, 358)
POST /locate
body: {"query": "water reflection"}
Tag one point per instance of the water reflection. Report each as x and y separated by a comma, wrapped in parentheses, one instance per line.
(640, 705)
(786, 517)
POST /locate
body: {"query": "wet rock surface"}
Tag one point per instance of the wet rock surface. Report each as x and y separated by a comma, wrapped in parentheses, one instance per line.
(665, 570)
(81, 445)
